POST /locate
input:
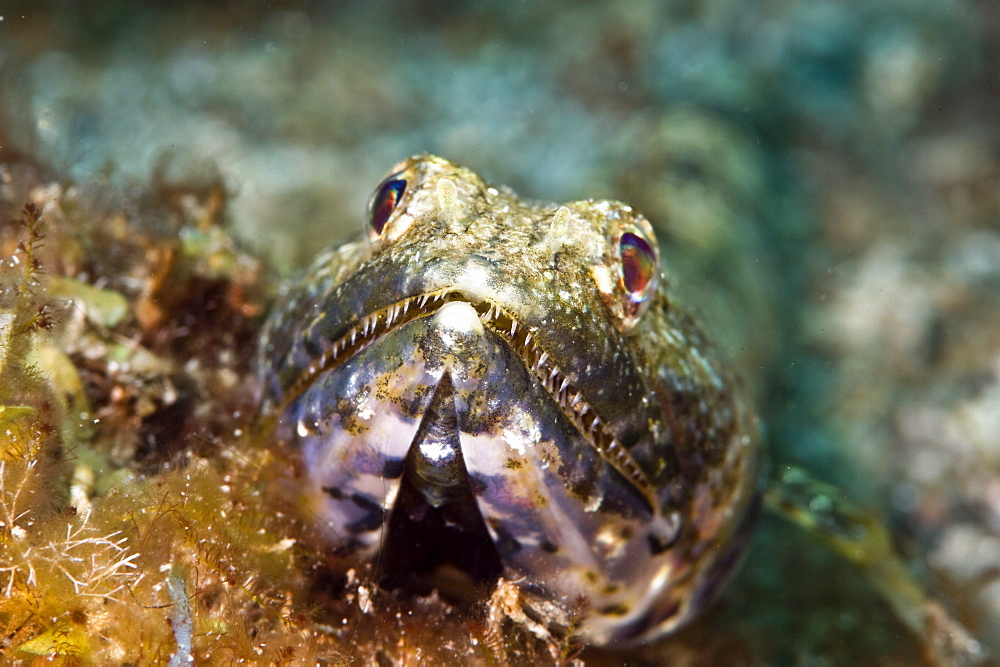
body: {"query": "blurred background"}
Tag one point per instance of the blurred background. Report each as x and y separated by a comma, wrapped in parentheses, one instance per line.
(824, 176)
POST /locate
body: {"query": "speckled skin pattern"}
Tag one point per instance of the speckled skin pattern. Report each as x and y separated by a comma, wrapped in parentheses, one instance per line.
(479, 337)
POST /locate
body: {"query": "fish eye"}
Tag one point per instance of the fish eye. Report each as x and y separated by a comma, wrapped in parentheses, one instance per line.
(638, 271)
(384, 201)
(638, 265)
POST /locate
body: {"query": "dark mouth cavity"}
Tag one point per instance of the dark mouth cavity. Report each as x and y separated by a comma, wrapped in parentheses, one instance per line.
(436, 538)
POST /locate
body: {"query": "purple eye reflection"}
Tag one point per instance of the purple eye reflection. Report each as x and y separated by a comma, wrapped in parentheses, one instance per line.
(638, 265)
(384, 202)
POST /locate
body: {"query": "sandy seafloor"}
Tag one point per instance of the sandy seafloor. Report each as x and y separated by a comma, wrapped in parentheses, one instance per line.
(831, 168)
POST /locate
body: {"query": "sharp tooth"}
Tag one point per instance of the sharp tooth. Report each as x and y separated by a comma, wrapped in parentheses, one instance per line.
(527, 339)
(565, 383)
(542, 359)
(554, 372)
(489, 314)
(576, 399)
(406, 306)
(423, 300)
(354, 333)
(513, 327)
(584, 409)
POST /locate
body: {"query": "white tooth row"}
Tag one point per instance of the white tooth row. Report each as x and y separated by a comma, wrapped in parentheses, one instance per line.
(431, 298)
(541, 365)
(618, 455)
(363, 330)
(370, 324)
(558, 385)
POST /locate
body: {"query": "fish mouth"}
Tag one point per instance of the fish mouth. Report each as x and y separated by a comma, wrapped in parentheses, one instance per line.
(435, 537)
(516, 335)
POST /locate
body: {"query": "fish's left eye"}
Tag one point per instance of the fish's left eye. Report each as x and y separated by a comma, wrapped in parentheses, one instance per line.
(384, 202)
(638, 265)
(639, 271)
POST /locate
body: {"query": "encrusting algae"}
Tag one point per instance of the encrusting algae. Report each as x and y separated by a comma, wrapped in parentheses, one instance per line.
(88, 544)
